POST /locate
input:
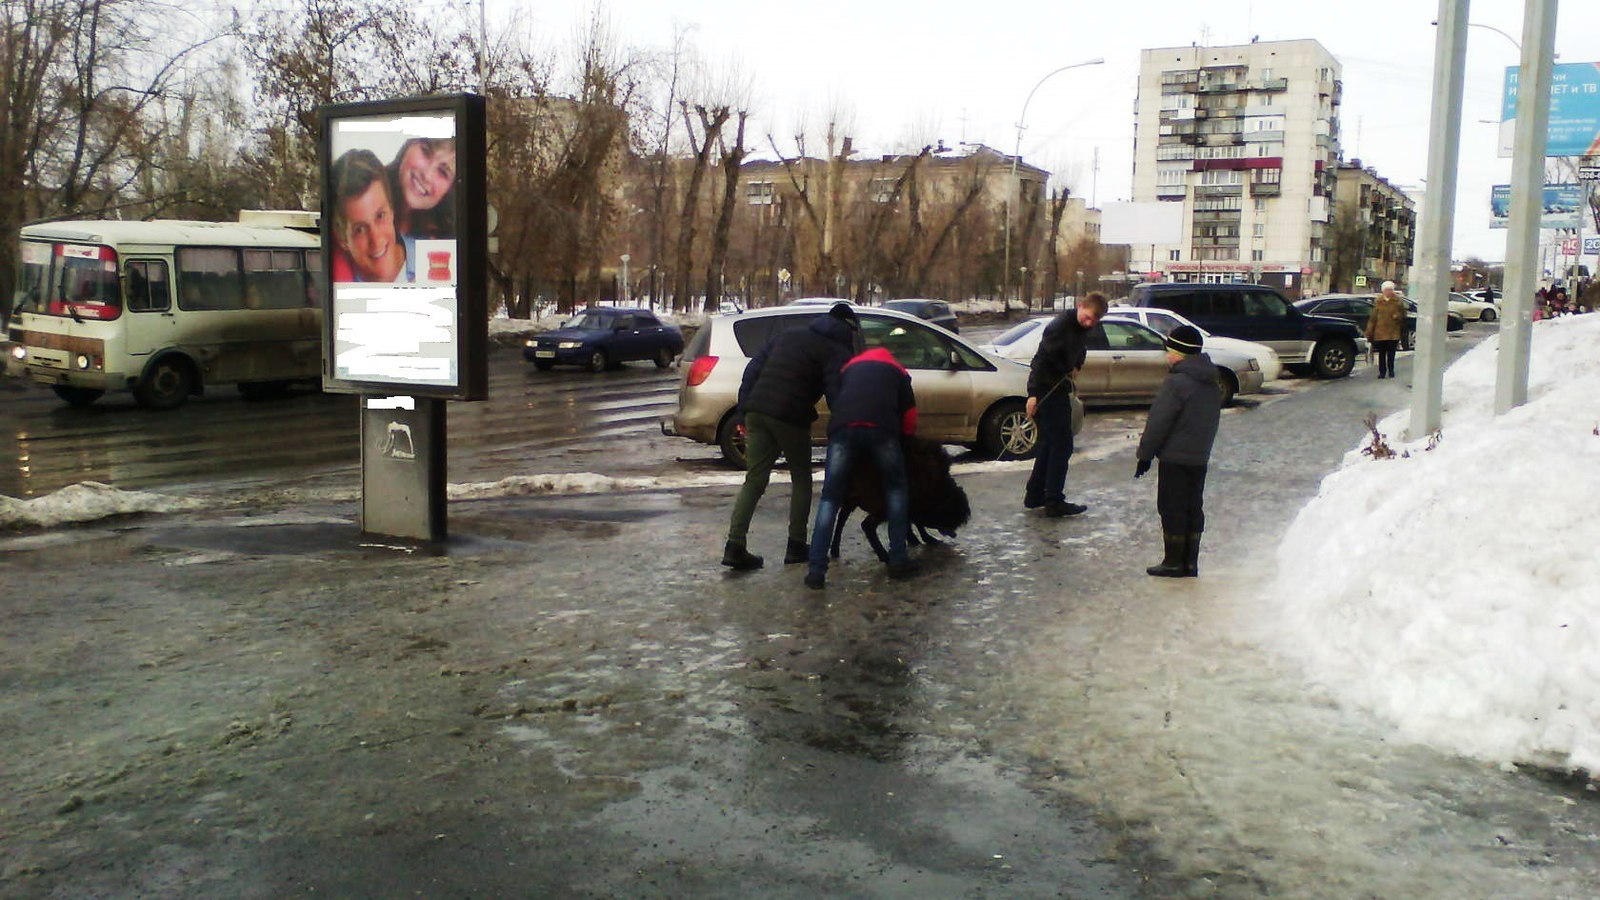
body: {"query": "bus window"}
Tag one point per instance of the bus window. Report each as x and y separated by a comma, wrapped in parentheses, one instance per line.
(274, 279)
(148, 289)
(208, 278)
(33, 277)
(314, 278)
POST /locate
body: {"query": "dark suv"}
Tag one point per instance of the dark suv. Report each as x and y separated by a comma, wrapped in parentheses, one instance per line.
(1306, 343)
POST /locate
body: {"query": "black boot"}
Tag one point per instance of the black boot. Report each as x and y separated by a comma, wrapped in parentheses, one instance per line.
(1191, 553)
(1172, 564)
(736, 557)
(797, 552)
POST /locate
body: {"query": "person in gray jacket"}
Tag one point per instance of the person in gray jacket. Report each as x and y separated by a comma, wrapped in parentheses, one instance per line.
(1179, 431)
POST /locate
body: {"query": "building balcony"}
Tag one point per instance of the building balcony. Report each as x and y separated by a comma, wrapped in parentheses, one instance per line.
(1171, 191)
(1272, 84)
(1263, 137)
(1218, 190)
(1217, 216)
(1265, 189)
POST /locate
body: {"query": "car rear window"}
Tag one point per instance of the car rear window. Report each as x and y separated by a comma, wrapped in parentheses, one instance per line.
(753, 334)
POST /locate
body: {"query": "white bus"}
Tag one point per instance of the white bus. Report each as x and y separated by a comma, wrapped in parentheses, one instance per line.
(166, 309)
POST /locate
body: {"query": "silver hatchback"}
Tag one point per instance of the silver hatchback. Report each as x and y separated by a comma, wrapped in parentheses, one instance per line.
(965, 395)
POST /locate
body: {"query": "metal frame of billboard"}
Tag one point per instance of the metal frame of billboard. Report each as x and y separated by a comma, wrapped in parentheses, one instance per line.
(423, 333)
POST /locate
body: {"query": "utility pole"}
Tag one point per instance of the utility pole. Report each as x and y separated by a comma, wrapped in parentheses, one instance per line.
(1527, 203)
(1438, 218)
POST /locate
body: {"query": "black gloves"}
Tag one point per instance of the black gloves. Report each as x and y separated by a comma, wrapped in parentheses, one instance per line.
(1141, 468)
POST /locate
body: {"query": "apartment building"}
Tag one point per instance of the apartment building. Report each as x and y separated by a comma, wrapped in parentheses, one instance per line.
(1246, 137)
(1373, 232)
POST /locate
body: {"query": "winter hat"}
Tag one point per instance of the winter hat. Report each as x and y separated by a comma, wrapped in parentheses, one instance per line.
(1185, 339)
(844, 313)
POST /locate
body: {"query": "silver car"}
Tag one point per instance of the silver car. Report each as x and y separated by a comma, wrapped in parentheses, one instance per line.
(1128, 361)
(964, 395)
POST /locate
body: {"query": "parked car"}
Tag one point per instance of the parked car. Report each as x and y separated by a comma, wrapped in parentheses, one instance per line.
(964, 395)
(1307, 344)
(1162, 321)
(1474, 309)
(936, 311)
(1355, 308)
(1127, 361)
(602, 337)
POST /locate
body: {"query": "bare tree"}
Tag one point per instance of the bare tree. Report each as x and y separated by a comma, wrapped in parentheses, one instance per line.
(732, 157)
(81, 82)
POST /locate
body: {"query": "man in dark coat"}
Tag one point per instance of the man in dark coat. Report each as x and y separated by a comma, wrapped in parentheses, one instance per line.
(866, 418)
(1179, 431)
(1062, 350)
(778, 398)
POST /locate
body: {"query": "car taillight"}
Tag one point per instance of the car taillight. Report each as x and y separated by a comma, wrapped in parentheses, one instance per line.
(700, 370)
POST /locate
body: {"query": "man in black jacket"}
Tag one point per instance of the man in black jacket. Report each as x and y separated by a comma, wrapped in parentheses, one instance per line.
(778, 398)
(1180, 430)
(1062, 350)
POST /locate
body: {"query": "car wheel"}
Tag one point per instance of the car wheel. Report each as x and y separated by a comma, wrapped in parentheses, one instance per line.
(663, 357)
(1007, 432)
(165, 385)
(1229, 383)
(1488, 316)
(598, 361)
(1334, 357)
(1408, 339)
(731, 438)
(543, 365)
(77, 396)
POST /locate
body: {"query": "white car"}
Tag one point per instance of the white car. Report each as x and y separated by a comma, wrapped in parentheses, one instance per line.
(1162, 321)
(1127, 361)
(1474, 309)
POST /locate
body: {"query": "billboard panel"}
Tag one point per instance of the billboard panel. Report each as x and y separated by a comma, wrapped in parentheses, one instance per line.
(405, 243)
(1562, 207)
(1574, 110)
(1155, 222)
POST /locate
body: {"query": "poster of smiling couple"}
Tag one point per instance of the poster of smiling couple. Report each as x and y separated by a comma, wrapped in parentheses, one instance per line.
(404, 238)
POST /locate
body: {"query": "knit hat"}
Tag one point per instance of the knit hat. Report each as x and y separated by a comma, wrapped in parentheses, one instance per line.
(1185, 339)
(845, 313)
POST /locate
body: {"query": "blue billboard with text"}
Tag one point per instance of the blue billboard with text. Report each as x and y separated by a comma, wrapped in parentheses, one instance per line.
(1574, 110)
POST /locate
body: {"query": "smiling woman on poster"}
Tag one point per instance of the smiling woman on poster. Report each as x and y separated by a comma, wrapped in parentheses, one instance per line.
(423, 178)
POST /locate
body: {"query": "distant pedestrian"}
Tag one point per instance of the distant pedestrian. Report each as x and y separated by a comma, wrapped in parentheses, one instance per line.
(778, 398)
(873, 408)
(1385, 324)
(1179, 431)
(1062, 350)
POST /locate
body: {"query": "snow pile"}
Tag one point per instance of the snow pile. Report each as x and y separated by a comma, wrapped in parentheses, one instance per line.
(1456, 590)
(86, 502)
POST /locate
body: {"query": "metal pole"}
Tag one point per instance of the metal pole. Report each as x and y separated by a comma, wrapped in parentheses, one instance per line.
(1438, 218)
(1527, 203)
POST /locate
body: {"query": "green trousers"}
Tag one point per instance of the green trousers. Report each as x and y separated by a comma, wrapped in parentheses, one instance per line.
(766, 438)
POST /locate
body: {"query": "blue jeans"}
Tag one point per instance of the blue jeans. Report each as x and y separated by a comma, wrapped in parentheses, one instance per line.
(1048, 481)
(845, 447)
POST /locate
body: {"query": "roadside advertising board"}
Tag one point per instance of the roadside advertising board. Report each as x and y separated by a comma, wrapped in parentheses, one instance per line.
(1562, 207)
(405, 245)
(1574, 110)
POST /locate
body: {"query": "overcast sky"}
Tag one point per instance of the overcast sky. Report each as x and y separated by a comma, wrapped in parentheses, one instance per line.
(912, 71)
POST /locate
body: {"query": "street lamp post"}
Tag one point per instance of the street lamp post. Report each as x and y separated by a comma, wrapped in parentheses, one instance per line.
(1011, 186)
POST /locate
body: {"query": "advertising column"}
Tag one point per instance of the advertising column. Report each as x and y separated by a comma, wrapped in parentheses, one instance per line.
(404, 238)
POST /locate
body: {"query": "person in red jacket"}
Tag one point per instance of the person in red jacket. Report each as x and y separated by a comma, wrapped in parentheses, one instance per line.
(873, 406)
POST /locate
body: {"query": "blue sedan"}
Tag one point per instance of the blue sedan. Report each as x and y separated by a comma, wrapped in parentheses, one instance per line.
(601, 338)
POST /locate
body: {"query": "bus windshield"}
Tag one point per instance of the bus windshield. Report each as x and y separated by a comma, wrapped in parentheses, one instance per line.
(69, 280)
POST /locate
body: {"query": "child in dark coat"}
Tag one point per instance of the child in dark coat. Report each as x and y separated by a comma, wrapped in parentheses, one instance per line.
(1179, 431)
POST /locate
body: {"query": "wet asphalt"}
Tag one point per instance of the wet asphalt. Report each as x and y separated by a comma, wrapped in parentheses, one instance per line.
(570, 698)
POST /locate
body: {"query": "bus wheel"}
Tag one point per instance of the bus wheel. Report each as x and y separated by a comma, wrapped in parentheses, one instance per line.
(77, 396)
(166, 385)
